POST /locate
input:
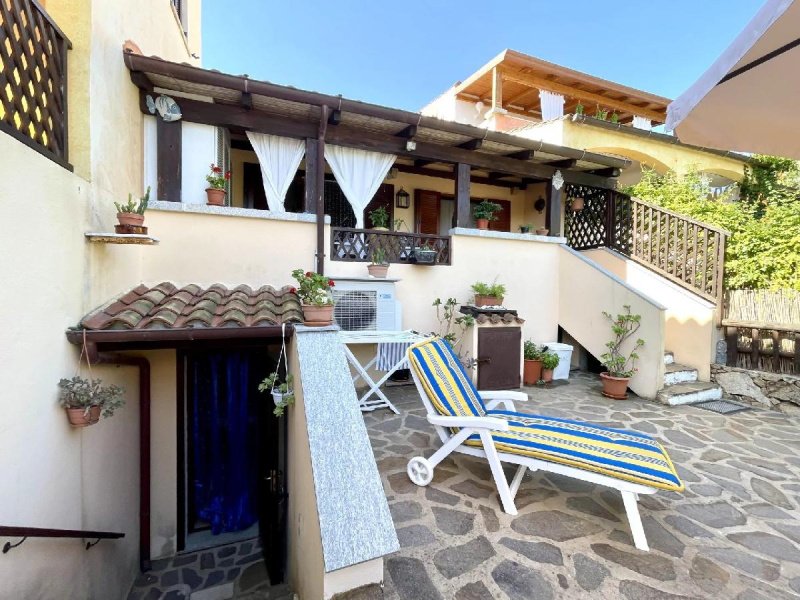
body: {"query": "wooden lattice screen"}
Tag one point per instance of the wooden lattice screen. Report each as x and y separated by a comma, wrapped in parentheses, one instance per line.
(33, 78)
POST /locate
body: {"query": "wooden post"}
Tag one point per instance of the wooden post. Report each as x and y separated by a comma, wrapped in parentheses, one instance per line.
(776, 351)
(168, 160)
(497, 89)
(797, 353)
(755, 350)
(462, 186)
(554, 210)
(320, 191)
(732, 341)
(310, 203)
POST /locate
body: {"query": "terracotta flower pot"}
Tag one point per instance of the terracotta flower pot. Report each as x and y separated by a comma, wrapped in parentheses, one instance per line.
(547, 375)
(78, 417)
(317, 316)
(488, 300)
(615, 387)
(542, 231)
(378, 270)
(130, 219)
(216, 197)
(482, 223)
(531, 371)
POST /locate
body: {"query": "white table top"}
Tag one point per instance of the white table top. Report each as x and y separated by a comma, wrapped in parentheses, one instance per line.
(378, 337)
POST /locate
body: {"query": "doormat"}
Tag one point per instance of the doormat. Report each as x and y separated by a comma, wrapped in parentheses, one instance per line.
(723, 407)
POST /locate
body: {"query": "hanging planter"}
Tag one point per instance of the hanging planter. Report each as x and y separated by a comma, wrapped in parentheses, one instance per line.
(282, 392)
(85, 399)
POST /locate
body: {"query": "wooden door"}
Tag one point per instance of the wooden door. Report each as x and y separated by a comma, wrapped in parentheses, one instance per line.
(383, 197)
(499, 355)
(503, 222)
(426, 211)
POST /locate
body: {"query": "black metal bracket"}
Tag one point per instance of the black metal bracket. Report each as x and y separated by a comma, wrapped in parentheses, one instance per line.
(94, 543)
(8, 545)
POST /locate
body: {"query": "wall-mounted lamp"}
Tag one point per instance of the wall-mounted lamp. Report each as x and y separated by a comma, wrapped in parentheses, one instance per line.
(539, 204)
(577, 204)
(403, 199)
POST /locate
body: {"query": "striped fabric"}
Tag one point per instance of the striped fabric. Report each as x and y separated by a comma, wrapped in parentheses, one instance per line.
(626, 455)
(390, 354)
(446, 383)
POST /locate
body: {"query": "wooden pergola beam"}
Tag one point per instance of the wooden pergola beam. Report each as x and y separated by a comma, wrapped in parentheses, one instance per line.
(607, 172)
(522, 155)
(408, 132)
(473, 144)
(497, 89)
(591, 97)
(566, 163)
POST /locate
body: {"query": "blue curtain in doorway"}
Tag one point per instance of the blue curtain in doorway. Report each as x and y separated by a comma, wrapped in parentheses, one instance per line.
(223, 430)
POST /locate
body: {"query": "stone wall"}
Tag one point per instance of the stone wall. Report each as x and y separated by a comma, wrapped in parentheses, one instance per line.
(772, 390)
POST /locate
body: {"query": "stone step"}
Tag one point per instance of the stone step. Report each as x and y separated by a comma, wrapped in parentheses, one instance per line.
(669, 357)
(689, 393)
(678, 373)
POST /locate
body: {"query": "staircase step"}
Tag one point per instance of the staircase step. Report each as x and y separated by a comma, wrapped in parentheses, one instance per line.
(678, 373)
(669, 357)
(689, 393)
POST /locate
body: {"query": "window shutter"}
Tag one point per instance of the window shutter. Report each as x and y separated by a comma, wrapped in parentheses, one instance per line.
(426, 211)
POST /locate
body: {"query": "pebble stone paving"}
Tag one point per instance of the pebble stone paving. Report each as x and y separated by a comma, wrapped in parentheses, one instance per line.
(733, 534)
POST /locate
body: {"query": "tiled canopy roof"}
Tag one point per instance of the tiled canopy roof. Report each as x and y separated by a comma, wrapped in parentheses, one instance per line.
(165, 306)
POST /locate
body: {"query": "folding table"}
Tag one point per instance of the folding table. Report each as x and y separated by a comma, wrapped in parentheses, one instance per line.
(403, 339)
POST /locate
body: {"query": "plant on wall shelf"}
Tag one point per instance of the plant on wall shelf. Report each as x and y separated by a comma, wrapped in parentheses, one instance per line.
(601, 113)
(614, 117)
(131, 213)
(217, 179)
(620, 365)
(379, 218)
(84, 399)
(484, 212)
(579, 108)
(282, 393)
(314, 292)
(425, 254)
(488, 294)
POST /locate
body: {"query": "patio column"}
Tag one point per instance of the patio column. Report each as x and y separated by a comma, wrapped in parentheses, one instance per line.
(554, 209)
(462, 183)
(168, 160)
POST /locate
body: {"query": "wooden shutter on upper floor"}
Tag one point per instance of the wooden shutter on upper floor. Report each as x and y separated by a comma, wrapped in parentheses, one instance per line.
(503, 222)
(426, 211)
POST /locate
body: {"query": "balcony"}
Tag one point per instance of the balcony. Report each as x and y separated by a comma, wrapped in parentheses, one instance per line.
(361, 245)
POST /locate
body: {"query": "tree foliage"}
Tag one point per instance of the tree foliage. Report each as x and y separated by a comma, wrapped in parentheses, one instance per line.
(763, 250)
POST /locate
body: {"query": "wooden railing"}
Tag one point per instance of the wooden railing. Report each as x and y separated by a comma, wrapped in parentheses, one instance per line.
(763, 346)
(38, 532)
(33, 78)
(360, 245)
(685, 251)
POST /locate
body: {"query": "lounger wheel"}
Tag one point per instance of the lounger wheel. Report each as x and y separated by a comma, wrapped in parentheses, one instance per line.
(420, 470)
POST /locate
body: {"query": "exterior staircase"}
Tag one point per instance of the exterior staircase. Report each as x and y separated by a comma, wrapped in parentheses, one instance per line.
(682, 387)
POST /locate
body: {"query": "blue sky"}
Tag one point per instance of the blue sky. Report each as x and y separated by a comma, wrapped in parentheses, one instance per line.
(402, 54)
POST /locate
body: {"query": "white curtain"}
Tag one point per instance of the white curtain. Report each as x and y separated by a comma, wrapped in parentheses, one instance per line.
(359, 174)
(279, 158)
(552, 105)
(641, 122)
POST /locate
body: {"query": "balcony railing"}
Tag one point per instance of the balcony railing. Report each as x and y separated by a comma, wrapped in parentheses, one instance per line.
(33, 78)
(360, 245)
(685, 251)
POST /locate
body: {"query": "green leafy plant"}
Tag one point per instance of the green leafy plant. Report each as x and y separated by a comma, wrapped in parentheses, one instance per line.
(313, 288)
(601, 113)
(452, 327)
(86, 393)
(379, 217)
(497, 290)
(217, 178)
(550, 360)
(400, 224)
(614, 117)
(486, 210)
(133, 206)
(525, 228)
(379, 257)
(624, 326)
(286, 389)
(532, 351)
(579, 108)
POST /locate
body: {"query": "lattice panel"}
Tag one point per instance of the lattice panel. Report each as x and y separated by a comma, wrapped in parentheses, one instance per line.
(362, 245)
(33, 62)
(587, 228)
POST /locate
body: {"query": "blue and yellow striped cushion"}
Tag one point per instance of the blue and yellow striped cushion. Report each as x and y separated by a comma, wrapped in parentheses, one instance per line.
(444, 379)
(621, 454)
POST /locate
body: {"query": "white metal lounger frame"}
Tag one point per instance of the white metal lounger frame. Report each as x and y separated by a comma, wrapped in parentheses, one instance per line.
(420, 469)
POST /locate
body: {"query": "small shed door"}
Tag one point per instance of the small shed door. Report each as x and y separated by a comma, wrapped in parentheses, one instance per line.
(499, 358)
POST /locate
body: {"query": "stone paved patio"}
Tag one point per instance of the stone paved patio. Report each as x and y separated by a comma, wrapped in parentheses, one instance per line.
(734, 533)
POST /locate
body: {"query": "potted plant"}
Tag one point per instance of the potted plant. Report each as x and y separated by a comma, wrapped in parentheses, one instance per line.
(542, 231)
(488, 294)
(614, 117)
(215, 192)
(550, 361)
(620, 367)
(314, 291)
(425, 254)
(84, 399)
(379, 266)
(131, 214)
(532, 368)
(525, 228)
(379, 218)
(484, 212)
(601, 113)
(579, 108)
(282, 393)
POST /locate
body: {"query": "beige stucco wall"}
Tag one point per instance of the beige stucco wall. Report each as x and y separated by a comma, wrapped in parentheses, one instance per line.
(689, 327)
(585, 290)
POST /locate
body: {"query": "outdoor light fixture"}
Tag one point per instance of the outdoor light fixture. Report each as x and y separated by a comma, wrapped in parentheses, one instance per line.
(539, 204)
(577, 204)
(403, 199)
(411, 145)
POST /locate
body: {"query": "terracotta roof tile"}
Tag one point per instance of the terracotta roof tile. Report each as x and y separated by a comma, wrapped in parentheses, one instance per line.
(507, 318)
(165, 306)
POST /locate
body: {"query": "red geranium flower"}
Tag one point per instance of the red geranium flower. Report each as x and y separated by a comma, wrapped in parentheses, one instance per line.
(330, 283)
(309, 273)
(228, 175)
(292, 290)
(216, 169)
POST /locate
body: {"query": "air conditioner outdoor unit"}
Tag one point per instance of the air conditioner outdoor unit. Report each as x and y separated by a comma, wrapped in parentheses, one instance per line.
(366, 305)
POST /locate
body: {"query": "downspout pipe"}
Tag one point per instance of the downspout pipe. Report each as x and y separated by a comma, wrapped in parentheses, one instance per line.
(112, 358)
(320, 175)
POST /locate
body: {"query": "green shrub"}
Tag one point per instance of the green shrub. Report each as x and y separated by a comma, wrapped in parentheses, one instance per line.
(550, 360)
(498, 290)
(532, 351)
